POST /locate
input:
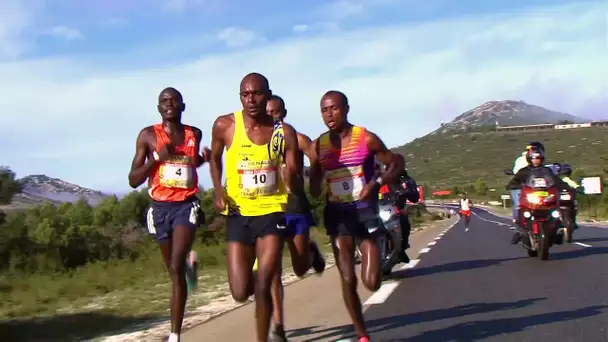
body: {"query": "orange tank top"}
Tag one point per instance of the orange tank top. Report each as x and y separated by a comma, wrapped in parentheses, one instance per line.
(176, 179)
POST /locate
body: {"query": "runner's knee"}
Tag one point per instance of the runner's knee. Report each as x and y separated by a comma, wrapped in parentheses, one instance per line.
(177, 267)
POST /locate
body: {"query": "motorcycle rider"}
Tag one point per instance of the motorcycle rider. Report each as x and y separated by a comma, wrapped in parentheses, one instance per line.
(404, 189)
(520, 163)
(576, 188)
(535, 157)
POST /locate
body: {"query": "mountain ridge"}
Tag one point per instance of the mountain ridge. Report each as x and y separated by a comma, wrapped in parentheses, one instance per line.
(506, 113)
(39, 188)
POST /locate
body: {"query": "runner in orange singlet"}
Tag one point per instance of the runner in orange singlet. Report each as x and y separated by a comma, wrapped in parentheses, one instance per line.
(167, 155)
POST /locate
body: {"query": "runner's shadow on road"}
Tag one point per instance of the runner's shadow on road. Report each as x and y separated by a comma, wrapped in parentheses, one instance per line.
(449, 267)
(478, 330)
(73, 327)
(387, 323)
(578, 253)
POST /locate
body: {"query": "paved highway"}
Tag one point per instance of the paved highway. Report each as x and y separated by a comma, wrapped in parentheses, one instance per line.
(462, 286)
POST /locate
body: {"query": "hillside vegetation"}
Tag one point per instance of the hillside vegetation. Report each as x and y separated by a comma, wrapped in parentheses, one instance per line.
(445, 160)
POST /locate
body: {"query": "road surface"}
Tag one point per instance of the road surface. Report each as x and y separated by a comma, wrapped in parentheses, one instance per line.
(463, 286)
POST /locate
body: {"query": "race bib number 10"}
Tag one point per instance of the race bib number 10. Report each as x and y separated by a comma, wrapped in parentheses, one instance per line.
(176, 176)
(259, 182)
(346, 190)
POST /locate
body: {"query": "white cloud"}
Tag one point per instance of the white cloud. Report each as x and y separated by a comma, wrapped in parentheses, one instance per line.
(16, 16)
(300, 28)
(402, 81)
(237, 37)
(65, 32)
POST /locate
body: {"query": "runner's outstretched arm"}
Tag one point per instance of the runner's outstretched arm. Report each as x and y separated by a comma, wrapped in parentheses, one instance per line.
(394, 166)
(140, 168)
(316, 173)
(293, 164)
(204, 157)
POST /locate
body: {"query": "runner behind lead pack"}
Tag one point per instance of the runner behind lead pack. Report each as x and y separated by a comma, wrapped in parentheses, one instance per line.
(465, 210)
(344, 158)
(255, 196)
(167, 155)
(304, 252)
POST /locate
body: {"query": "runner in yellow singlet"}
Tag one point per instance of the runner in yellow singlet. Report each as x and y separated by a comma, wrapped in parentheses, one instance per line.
(255, 196)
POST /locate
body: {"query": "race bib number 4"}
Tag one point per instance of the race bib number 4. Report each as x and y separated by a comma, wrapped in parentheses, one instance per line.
(346, 190)
(259, 182)
(176, 176)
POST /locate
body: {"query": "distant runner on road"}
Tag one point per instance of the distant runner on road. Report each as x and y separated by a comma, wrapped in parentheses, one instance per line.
(304, 252)
(465, 210)
(167, 155)
(344, 157)
(255, 196)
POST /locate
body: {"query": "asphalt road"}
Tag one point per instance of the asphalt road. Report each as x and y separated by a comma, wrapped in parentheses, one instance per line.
(476, 286)
(462, 286)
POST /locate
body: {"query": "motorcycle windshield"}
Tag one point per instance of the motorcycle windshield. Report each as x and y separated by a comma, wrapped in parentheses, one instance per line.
(540, 178)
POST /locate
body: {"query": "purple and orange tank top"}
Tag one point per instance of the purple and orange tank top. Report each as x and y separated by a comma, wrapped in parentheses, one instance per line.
(347, 170)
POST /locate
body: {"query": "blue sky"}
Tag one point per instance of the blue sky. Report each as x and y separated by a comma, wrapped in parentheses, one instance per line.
(80, 78)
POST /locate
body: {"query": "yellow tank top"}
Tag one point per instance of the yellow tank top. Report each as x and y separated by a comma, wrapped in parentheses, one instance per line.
(253, 182)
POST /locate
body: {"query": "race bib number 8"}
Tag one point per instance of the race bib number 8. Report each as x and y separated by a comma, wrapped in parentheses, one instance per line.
(176, 176)
(259, 182)
(346, 189)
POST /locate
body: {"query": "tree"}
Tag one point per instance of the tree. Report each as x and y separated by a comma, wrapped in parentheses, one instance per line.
(9, 186)
(481, 187)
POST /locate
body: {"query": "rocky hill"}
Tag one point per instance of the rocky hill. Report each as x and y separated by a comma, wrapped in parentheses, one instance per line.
(506, 113)
(465, 149)
(37, 189)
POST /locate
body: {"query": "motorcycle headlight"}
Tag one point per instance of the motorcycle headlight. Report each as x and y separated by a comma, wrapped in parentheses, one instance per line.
(527, 214)
(385, 215)
(533, 198)
(565, 197)
(555, 214)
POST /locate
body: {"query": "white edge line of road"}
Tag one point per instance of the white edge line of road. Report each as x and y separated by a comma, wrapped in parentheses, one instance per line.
(382, 294)
(388, 288)
(582, 244)
(432, 243)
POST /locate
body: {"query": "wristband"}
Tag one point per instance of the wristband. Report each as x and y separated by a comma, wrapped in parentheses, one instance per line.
(155, 156)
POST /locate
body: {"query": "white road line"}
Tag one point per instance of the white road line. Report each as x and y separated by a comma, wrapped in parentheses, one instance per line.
(382, 294)
(440, 235)
(582, 244)
(432, 243)
(410, 264)
(498, 223)
(438, 238)
(424, 250)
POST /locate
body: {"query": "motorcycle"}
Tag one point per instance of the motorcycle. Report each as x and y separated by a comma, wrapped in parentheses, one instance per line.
(390, 241)
(567, 210)
(539, 213)
(567, 204)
